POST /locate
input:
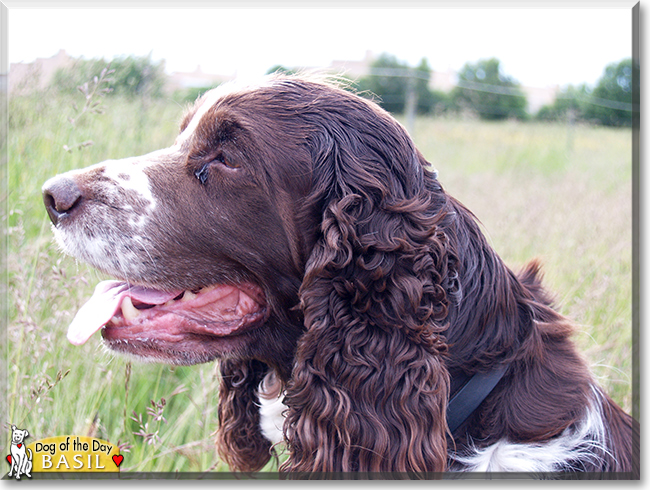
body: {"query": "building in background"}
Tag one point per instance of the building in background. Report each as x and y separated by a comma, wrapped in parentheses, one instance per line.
(37, 75)
(196, 79)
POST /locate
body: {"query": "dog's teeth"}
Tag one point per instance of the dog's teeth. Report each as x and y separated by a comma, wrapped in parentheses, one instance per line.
(188, 296)
(129, 311)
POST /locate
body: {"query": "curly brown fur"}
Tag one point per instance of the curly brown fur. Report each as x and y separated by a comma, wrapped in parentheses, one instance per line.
(239, 418)
(374, 290)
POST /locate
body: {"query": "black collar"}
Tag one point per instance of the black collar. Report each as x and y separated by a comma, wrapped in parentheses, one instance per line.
(474, 389)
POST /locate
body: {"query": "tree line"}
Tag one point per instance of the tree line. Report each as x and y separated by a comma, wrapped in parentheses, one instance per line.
(481, 89)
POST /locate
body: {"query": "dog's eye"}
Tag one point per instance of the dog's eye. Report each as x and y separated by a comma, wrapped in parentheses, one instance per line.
(227, 163)
(203, 173)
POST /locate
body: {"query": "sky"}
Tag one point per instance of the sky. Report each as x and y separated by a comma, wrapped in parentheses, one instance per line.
(537, 47)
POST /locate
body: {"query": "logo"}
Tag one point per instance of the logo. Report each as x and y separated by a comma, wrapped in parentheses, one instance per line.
(20, 458)
(61, 454)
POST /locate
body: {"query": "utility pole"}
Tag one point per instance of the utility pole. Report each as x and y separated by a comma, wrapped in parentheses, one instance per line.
(411, 103)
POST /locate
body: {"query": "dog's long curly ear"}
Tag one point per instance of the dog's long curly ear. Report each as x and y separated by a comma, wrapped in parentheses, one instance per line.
(239, 440)
(369, 389)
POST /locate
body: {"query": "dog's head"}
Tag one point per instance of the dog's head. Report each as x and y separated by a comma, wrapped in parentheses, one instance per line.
(210, 238)
(204, 237)
(18, 435)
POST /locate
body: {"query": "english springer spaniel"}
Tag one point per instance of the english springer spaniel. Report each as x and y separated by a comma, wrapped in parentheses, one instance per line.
(294, 233)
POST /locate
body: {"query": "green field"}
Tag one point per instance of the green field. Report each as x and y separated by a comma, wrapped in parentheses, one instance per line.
(562, 194)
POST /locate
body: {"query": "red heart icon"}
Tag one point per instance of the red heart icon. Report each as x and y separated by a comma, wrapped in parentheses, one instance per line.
(117, 459)
(9, 458)
(19, 446)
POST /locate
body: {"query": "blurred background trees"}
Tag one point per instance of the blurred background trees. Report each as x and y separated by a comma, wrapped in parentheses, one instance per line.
(608, 102)
(395, 85)
(481, 88)
(569, 105)
(132, 76)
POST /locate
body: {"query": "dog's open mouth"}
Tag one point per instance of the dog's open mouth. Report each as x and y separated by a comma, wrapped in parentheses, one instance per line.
(136, 313)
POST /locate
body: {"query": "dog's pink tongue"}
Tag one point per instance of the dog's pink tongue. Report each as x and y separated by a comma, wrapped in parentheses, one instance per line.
(106, 300)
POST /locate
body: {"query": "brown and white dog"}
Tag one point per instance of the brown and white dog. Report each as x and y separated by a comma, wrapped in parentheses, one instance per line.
(295, 233)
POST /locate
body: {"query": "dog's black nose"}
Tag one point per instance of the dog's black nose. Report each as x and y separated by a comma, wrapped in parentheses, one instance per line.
(60, 195)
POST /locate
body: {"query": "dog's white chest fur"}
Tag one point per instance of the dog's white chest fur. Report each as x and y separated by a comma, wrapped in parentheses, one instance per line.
(271, 409)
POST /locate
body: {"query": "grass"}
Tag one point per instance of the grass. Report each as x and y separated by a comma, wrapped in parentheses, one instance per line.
(102, 395)
(541, 190)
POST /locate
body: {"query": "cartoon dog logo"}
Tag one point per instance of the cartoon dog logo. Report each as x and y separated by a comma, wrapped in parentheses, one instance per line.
(21, 456)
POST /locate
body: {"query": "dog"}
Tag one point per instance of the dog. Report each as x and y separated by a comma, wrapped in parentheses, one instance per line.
(294, 233)
(21, 455)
